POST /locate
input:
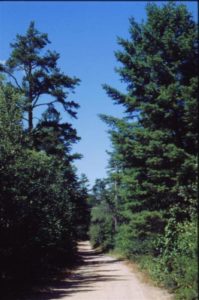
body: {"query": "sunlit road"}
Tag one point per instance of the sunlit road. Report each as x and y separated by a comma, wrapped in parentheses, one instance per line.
(102, 277)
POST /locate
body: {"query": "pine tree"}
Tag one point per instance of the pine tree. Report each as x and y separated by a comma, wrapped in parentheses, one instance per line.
(41, 74)
(159, 66)
(154, 156)
(42, 202)
(54, 137)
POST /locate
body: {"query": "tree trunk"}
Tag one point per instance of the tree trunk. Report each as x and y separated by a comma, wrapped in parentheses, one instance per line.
(30, 120)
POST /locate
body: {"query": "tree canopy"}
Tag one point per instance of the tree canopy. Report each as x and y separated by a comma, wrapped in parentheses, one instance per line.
(153, 164)
(42, 82)
(43, 203)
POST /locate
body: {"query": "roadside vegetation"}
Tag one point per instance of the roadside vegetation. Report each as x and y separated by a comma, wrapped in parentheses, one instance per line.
(43, 208)
(146, 209)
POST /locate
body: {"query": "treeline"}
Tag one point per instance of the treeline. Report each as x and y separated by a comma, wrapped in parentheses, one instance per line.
(43, 210)
(146, 209)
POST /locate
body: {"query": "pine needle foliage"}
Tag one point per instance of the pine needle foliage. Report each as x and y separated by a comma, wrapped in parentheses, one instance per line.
(153, 165)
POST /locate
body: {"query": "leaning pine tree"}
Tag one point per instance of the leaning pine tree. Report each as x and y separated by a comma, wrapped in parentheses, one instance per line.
(42, 75)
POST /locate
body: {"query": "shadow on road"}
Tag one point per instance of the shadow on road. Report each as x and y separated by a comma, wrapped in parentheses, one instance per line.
(76, 285)
(80, 281)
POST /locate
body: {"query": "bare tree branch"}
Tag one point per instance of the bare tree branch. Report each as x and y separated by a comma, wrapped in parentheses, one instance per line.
(25, 119)
(42, 104)
(13, 77)
(36, 99)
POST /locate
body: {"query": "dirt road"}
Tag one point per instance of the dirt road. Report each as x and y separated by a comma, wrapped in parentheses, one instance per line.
(102, 277)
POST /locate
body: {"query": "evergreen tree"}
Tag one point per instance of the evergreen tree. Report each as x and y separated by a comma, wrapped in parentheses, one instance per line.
(102, 227)
(154, 157)
(42, 76)
(54, 137)
(43, 208)
(159, 66)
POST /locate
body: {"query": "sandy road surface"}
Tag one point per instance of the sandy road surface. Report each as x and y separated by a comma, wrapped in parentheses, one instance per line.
(102, 277)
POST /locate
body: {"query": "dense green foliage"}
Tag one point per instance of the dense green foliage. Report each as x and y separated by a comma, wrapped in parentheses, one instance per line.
(152, 183)
(103, 220)
(147, 207)
(43, 208)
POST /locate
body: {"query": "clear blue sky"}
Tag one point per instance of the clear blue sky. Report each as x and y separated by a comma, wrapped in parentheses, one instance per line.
(84, 33)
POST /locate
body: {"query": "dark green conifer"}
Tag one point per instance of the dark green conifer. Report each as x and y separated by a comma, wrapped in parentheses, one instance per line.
(42, 81)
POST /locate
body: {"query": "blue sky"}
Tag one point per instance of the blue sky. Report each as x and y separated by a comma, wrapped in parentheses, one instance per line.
(85, 35)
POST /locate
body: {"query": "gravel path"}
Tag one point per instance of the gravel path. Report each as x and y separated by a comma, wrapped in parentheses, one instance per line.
(102, 277)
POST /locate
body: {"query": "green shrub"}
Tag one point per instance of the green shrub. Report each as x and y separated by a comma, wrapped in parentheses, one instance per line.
(177, 266)
(181, 262)
(102, 228)
(140, 236)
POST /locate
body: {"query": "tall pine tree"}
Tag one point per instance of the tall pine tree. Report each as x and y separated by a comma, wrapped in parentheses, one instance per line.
(154, 157)
(159, 66)
(41, 74)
